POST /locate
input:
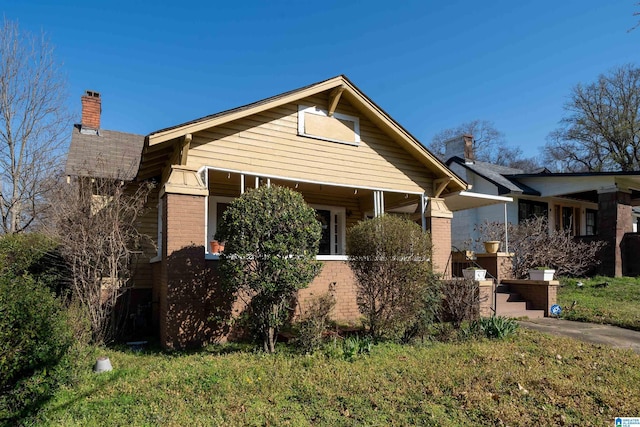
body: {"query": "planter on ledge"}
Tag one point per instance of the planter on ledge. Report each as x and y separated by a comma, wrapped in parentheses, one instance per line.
(541, 274)
(474, 273)
(492, 246)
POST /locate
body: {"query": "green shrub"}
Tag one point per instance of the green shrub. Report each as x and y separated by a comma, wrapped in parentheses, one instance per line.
(349, 348)
(494, 327)
(271, 240)
(397, 291)
(314, 322)
(34, 336)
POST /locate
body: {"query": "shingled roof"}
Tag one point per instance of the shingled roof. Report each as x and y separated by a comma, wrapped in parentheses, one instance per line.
(501, 176)
(104, 154)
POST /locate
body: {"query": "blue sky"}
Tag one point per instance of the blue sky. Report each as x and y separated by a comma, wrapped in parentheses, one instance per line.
(431, 65)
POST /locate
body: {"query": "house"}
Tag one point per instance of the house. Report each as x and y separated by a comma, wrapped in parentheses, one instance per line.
(329, 141)
(592, 205)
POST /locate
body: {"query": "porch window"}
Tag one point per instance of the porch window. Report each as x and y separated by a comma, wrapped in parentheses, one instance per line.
(528, 209)
(216, 208)
(591, 219)
(333, 229)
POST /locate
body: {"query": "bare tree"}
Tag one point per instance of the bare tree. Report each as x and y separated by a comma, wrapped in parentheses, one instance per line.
(489, 144)
(33, 122)
(94, 220)
(601, 131)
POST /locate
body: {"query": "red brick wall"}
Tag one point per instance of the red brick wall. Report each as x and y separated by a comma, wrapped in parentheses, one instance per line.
(440, 229)
(91, 109)
(336, 278)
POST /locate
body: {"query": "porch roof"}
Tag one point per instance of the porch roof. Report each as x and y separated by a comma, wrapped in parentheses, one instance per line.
(463, 200)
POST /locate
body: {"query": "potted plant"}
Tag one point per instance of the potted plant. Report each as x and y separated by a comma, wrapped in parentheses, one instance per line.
(474, 273)
(216, 246)
(541, 273)
(492, 246)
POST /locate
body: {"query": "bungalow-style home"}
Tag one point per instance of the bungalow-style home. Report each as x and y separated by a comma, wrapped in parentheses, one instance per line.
(328, 140)
(592, 205)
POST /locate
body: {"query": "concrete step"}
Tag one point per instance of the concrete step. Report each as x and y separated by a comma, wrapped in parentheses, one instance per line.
(504, 298)
(517, 314)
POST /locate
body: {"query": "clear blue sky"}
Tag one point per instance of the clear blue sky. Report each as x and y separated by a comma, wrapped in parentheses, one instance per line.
(430, 64)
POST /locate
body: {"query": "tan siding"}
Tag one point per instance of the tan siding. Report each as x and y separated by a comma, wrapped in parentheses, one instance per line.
(267, 143)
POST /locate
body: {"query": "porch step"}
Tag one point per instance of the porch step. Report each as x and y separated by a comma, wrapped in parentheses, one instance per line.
(510, 304)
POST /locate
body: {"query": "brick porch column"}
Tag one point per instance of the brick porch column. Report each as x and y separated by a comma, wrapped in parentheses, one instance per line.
(182, 283)
(439, 224)
(614, 220)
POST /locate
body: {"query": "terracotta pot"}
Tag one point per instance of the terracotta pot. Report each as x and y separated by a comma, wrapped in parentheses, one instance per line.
(492, 246)
(215, 246)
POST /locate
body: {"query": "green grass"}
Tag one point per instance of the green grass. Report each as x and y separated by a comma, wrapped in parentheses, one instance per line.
(616, 304)
(529, 379)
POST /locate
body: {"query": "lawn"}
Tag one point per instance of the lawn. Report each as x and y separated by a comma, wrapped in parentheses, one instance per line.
(616, 303)
(528, 379)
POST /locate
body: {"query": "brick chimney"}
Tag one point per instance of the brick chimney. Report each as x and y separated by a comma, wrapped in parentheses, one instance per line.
(460, 146)
(91, 109)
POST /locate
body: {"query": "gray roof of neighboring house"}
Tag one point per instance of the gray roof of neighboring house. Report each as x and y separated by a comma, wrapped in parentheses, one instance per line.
(496, 175)
(104, 154)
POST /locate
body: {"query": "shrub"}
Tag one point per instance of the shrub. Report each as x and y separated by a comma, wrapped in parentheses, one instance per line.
(271, 239)
(494, 327)
(397, 291)
(533, 245)
(460, 301)
(314, 322)
(34, 337)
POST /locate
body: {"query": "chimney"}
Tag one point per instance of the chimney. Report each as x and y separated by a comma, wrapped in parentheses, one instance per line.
(460, 146)
(91, 109)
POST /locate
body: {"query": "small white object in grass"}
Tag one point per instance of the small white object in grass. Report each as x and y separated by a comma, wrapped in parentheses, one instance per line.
(103, 364)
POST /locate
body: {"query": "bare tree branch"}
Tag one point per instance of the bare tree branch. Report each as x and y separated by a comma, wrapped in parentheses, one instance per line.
(33, 122)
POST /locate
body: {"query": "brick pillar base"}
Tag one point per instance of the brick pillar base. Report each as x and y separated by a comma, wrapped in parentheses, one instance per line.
(498, 265)
(614, 220)
(439, 224)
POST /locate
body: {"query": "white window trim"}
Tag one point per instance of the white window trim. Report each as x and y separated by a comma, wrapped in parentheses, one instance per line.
(212, 220)
(305, 109)
(342, 235)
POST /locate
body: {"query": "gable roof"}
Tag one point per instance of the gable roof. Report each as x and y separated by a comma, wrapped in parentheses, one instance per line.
(158, 144)
(501, 176)
(104, 154)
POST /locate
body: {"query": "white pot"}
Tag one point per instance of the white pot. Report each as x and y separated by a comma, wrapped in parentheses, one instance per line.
(474, 274)
(544, 275)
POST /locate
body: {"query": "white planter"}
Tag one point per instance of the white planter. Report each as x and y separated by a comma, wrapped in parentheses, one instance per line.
(474, 274)
(545, 275)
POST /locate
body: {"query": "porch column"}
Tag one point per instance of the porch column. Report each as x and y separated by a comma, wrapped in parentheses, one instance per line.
(614, 220)
(182, 287)
(438, 218)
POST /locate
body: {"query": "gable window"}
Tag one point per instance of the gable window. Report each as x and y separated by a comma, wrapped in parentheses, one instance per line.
(316, 123)
(333, 230)
(528, 209)
(591, 220)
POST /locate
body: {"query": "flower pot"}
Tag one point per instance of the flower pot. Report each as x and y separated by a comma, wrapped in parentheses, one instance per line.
(492, 246)
(215, 246)
(474, 274)
(544, 275)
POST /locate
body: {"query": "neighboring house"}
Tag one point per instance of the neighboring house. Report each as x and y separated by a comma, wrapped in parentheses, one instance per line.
(595, 205)
(329, 141)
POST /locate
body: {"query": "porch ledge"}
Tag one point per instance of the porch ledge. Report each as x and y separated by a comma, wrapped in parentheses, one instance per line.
(530, 282)
(215, 257)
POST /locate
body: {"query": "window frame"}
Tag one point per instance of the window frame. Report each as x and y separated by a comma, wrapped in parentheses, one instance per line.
(306, 109)
(340, 233)
(212, 220)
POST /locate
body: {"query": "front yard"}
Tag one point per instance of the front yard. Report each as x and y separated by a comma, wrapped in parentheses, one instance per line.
(529, 379)
(615, 301)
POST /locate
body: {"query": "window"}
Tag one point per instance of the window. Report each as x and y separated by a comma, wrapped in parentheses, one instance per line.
(567, 218)
(528, 209)
(315, 123)
(591, 219)
(333, 231)
(216, 208)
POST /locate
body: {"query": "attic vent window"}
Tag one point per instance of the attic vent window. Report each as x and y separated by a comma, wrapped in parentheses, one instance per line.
(316, 123)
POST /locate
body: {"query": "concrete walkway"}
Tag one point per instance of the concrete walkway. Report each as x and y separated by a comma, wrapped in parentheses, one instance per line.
(590, 332)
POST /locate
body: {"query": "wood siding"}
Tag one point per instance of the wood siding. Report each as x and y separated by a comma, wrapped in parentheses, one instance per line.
(268, 143)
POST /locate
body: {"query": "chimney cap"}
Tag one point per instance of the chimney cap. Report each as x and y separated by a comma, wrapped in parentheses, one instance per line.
(92, 94)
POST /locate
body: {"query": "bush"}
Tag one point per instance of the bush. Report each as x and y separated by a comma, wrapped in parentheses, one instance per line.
(460, 301)
(397, 291)
(34, 337)
(271, 240)
(495, 327)
(534, 245)
(314, 322)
